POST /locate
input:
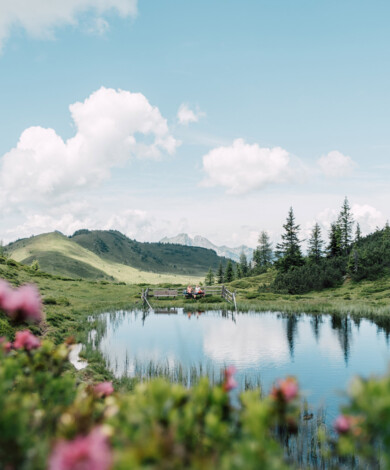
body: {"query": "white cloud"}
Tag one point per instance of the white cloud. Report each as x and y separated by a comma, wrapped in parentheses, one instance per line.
(336, 165)
(185, 115)
(98, 26)
(242, 167)
(40, 17)
(137, 224)
(368, 217)
(111, 127)
(244, 343)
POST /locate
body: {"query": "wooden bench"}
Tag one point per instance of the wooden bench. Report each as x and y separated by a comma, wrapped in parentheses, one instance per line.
(165, 293)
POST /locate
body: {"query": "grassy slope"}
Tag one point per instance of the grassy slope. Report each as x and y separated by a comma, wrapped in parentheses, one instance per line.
(60, 255)
(113, 246)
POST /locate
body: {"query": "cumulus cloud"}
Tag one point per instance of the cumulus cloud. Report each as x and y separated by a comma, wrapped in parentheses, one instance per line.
(368, 217)
(185, 115)
(135, 223)
(336, 165)
(242, 167)
(111, 127)
(40, 17)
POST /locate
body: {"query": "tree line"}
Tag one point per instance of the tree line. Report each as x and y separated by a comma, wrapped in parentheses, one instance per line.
(326, 263)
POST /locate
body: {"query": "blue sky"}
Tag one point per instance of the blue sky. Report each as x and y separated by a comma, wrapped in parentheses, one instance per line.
(282, 103)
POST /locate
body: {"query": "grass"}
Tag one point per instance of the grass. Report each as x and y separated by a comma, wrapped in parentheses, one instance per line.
(59, 254)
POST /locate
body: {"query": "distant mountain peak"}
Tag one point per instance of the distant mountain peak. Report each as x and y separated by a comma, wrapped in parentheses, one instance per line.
(198, 240)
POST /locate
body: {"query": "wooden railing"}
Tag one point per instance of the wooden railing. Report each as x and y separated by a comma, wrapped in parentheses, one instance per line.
(173, 293)
(229, 296)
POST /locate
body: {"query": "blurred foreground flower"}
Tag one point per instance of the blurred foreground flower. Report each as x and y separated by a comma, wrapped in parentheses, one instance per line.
(26, 340)
(5, 344)
(285, 390)
(344, 424)
(21, 304)
(103, 389)
(229, 383)
(91, 452)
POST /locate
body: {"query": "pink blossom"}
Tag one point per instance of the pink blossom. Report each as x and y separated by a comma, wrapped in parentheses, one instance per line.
(6, 345)
(229, 383)
(342, 424)
(23, 303)
(104, 389)
(26, 340)
(286, 389)
(5, 288)
(91, 452)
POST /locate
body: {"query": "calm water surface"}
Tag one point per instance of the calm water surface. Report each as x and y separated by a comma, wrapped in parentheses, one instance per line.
(323, 352)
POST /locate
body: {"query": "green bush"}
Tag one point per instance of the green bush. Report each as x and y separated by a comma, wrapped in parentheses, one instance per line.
(46, 415)
(311, 276)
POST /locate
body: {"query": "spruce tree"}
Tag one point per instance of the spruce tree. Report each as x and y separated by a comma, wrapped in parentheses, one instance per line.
(288, 251)
(345, 222)
(263, 254)
(209, 280)
(386, 237)
(334, 247)
(243, 265)
(220, 273)
(238, 271)
(315, 250)
(358, 233)
(229, 273)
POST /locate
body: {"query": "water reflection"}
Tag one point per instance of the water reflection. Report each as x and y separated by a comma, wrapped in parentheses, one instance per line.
(322, 351)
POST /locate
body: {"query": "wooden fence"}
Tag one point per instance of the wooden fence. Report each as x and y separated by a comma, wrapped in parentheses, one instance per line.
(159, 293)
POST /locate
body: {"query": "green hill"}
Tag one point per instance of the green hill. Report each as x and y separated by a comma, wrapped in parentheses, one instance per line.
(156, 257)
(112, 256)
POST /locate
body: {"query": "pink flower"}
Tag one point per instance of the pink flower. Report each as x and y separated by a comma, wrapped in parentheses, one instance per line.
(5, 289)
(90, 452)
(23, 303)
(6, 345)
(104, 389)
(286, 389)
(342, 424)
(229, 383)
(26, 340)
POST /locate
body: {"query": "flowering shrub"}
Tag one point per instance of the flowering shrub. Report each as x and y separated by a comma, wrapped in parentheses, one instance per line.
(21, 304)
(50, 421)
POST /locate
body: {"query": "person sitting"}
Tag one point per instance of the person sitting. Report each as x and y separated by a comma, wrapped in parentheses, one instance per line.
(198, 292)
(189, 292)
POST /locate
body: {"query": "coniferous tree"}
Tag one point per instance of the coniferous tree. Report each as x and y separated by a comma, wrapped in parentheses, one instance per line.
(238, 271)
(334, 247)
(229, 273)
(244, 268)
(315, 250)
(288, 251)
(263, 254)
(358, 233)
(354, 261)
(220, 273)
(209, 280)
(345, 222)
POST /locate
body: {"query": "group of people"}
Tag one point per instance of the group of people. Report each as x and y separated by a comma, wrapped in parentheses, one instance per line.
(194, 293)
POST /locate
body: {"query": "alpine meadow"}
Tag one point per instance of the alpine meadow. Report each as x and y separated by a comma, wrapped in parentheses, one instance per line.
(194, 235)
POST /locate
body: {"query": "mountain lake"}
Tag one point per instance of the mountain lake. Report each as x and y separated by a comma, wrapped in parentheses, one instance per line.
(324, 352)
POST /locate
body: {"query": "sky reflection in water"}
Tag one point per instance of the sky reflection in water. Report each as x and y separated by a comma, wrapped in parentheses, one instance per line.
(323, 352)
